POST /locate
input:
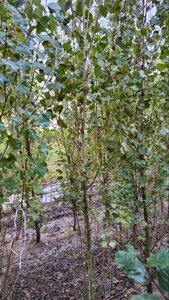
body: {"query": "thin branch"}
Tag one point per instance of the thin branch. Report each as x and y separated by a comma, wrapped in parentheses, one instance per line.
(94, 32)
(91, 184)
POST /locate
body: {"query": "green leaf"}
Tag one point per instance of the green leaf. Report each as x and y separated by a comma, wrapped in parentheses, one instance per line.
(19, 21)
(3, 79)
(40, 169)
(11, 8)
(44, 119)
(2, 127)
(54, 7)
(160, 259)
(17, 18)
(19, 3)
(103, 10)
(22, 89)
(22, 49)
(67, 47)
(8, 161)
(39, 27)
(30, 133)
(85, 168)
(16, 120)
(132, 267)
(119, 42)
(61, 123)
(10, 63)
(163, 278)
(35, 203)
(143, 31)
(79, 8)
(41, 24)
(55, 86)
(14, 143)
(9, 183)
(161, 66)
(2, 200)
(46, 38)
(44, 20)
(2, 35)
(146, 297)
(142, 74)
(38, 190)
(24, 64)
(101, 62)
(43, 149)
(58, 108)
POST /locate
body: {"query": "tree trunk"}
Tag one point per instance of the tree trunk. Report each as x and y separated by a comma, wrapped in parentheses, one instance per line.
(37, 229)
(147, 237)
(91, 295)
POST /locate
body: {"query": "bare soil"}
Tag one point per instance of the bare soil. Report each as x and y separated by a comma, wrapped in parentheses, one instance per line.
(55, 269)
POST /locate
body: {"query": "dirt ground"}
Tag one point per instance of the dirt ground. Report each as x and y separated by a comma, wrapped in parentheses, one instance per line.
(55, 268)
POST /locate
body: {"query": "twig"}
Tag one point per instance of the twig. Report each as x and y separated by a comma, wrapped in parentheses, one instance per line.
(15, 236)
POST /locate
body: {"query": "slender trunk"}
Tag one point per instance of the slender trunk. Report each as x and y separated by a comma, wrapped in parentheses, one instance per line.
(147, 244)
(4, 282)
(136, 210)
(147, 237)
(84, 161)
(168, 205)
(91, 295)
(74, 209)
(106, 201)
(0, 218)
(37, 229)
(37, 224)
(1, 252)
